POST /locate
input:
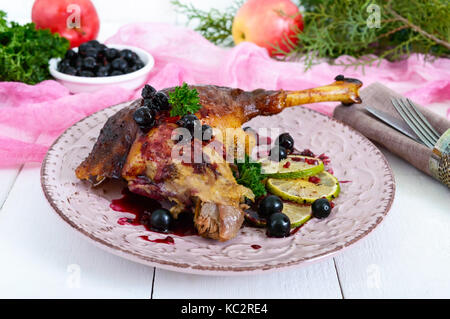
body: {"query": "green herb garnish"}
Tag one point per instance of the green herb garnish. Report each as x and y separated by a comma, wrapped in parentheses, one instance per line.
(214, 25)
(25, 51)
(334, 28)
(184, 101)
(249, 175)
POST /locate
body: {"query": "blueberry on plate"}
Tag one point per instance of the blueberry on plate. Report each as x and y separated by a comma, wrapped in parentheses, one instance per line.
(119, 64)
(278, 225)
(278, 153)
(286, 141)
(148, 91)
(249, 130)
(189, 121)
(148, 102)
(269, 205)
(177, 137)
(161, 101)
(207, 133)
(143, 117)
(321, 208)
(160, 220)
(89, 63)
(111, 54)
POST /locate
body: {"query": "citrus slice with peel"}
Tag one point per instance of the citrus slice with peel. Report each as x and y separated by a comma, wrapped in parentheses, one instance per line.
(305, 190)
(298, 213)
(294, 166)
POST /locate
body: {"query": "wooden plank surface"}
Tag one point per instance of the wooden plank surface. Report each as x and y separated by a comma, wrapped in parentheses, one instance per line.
(408, 255)
(42, 257)
(7, 179)
(314, 281)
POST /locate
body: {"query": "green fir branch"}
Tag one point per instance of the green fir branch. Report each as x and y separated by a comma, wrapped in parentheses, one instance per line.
(333, 28)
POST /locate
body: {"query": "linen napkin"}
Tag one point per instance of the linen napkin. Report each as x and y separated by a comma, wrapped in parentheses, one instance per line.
(379, 96)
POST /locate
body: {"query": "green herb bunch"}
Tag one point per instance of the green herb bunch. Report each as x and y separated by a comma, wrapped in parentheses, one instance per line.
(340, 27)
(25, 51)
(249, 175)
(184, 100)
(214, 25)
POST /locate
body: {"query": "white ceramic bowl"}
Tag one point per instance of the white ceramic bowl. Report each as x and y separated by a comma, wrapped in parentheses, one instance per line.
(131, 81)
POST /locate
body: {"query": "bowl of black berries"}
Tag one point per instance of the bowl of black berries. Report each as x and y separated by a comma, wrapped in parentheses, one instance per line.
(94, 65)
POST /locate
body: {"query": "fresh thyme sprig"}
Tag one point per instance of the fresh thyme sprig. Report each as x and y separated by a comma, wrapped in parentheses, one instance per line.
(333, 28)
(214, 25)
(184, 100)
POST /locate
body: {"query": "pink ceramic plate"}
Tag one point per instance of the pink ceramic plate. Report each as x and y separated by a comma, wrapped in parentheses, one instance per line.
(361, 206)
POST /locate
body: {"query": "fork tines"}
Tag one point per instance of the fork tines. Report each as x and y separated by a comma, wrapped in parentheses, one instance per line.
(415, 119)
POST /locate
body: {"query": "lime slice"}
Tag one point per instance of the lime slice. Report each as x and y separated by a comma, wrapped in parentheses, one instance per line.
(294, 166)
(302, 190)
(297, 213)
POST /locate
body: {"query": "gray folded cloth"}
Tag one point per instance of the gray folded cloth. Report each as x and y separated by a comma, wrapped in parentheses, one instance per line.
(378, 96)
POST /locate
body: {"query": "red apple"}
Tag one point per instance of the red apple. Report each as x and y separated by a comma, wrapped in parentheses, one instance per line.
(75, 20)
(266, 23)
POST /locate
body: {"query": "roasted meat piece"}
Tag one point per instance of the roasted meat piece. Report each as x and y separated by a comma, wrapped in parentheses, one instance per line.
(146, 159)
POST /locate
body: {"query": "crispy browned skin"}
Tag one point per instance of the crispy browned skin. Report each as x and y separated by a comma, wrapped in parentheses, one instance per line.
(111, 149)
(145, 160)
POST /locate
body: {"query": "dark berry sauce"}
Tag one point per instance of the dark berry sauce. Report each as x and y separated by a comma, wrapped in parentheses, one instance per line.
(256, 246)
(263, 140)
(168, 240)
(142, 207)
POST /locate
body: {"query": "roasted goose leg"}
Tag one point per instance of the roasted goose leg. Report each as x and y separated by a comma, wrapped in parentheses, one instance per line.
(146, 161)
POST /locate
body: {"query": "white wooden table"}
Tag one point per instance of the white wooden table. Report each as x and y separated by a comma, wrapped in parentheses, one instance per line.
(407, 256)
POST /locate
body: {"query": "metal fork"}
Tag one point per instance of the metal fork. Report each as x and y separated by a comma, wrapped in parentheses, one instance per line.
(415, 119)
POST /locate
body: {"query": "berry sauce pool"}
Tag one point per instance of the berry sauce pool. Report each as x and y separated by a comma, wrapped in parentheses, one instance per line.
(141, 207)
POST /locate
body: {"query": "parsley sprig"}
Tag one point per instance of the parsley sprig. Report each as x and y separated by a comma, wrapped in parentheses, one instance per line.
(249, 175)
(184, 101)
(25, 51)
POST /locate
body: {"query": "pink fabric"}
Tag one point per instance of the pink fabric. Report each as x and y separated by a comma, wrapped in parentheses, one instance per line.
(31, 117)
